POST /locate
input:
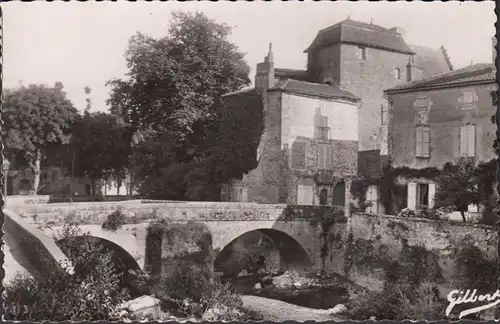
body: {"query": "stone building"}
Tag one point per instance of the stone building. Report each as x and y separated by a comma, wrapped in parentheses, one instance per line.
(439, 119)
(308, 150)
(323, 120)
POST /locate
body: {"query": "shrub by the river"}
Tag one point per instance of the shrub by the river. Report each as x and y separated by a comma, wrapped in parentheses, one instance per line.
(91, 293)
(191, 293)
(399, 302)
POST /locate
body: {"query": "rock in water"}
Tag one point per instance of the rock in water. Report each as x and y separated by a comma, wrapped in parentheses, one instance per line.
(243, 273)
(257, 286)
(338, 309)
(143, 302)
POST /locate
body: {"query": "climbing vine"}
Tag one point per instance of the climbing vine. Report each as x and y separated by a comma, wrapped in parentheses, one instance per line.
(391, 192)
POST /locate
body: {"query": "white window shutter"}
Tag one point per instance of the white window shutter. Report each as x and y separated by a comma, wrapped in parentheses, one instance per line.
(300, 195)
(463, 141)
(471, 140)
(426, 142)
(412, 195)
(328, 157)
(308, 195)
(418, 137)
(432, 194)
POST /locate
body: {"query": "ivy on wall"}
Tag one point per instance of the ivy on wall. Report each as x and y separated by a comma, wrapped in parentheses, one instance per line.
(390, 192)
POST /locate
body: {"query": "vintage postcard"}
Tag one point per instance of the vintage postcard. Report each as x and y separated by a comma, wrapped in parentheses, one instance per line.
(234, 161)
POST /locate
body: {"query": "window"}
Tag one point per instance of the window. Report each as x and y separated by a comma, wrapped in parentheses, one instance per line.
(397, 74)
(299, 155)
(412, 59)
(467, 99)
(322, 129)
(422, 195)
(372, 198)
(384, 115)
(323, 197)
(468, 140)
(423, 141)
(324, 156)
(361, 53)
(304, 195)
(328, 81)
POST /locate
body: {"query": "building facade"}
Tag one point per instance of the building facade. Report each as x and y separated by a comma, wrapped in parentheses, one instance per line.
(309, 146)
(438, 120)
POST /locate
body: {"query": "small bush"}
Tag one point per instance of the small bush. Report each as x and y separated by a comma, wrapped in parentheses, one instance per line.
(195, 295)
(399, 302)
(91, 293)
(114, 221)
(406, 213)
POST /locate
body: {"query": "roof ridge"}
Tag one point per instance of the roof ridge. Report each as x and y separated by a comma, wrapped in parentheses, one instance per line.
(437, 76)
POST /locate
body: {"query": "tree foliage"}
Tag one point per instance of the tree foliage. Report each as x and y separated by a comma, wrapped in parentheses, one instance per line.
(35, 117)
(186, 144)
(102, 146)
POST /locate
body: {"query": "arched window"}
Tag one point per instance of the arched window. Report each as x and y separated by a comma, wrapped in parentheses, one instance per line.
(323, 197)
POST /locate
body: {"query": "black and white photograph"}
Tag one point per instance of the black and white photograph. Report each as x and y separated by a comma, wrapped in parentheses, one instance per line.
(250, 161)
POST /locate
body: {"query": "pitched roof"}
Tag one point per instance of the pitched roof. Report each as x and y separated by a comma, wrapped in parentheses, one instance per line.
(291, 74)
(431, 61)
(244, 91)
(482, 72)
(314, 89)
(355, 32)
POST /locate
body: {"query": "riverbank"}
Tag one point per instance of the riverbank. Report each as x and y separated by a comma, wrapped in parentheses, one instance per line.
(276, 310)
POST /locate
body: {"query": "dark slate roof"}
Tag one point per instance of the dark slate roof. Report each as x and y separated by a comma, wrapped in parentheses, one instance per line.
(314, 89)
(291, 74)
(482, 72)
(355, 32)
(431, 61)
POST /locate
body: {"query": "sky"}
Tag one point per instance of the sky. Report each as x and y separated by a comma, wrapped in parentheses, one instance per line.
(83, 43)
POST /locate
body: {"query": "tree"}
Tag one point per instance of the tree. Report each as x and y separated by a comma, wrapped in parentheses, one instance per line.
(172, 88)
(36, 117)
(457, 186)
(102, 143)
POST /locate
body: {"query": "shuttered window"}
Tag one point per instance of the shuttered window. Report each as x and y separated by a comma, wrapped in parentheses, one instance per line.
(468, 140)
(422, 141)
(324, 156)
(299, 155)
(322, 128)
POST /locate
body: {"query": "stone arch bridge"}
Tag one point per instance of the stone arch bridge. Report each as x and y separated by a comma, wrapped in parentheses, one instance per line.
(295, 229)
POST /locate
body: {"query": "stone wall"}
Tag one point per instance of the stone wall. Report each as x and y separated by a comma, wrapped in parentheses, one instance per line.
(373, 250)
(27, 249)
(368, 79)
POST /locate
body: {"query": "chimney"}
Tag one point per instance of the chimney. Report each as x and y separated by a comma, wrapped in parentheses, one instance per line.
(398, 31)
(413, 72)
(493, 48)
(264, 76)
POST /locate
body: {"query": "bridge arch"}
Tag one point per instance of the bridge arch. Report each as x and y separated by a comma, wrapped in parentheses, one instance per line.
(121, 258)
(284, 238)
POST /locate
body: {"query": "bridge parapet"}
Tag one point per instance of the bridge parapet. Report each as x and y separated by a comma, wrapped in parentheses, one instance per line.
(139, 211)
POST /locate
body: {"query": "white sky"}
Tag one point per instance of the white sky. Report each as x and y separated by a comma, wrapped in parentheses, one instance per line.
(82, 43)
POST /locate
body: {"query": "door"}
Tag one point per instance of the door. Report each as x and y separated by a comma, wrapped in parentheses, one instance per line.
(338, 198)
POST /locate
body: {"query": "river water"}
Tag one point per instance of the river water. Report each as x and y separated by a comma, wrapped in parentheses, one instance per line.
(317, 297)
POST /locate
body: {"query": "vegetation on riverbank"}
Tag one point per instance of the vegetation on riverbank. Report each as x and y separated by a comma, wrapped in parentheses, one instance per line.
(96, 287)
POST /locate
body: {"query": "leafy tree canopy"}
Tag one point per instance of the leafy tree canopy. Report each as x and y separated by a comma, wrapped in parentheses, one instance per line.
(186, 142)
(35, 117)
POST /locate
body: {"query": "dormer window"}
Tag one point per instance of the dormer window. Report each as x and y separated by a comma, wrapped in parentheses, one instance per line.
(467, 99)
(361, 53)
(397, 74)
